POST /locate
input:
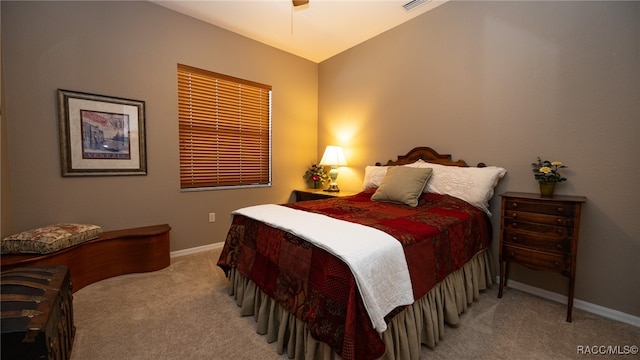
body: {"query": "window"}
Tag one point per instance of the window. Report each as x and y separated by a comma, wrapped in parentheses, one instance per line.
(225, 130)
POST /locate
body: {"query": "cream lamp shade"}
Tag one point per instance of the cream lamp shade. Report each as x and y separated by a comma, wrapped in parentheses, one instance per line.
(333, 156)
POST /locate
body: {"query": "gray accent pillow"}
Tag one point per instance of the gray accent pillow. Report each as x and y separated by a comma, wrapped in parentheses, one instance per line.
(402, 184)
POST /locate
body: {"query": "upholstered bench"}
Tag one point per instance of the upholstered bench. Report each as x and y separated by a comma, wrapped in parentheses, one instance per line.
(48, 239)
(90, 254)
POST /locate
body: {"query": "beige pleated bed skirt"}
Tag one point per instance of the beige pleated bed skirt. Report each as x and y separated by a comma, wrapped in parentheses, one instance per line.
(422, 322)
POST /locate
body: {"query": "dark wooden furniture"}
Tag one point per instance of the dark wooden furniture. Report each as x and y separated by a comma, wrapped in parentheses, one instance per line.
(37, 313)
(113, 253)
(427, 154)
(316, 194)
(540, 233)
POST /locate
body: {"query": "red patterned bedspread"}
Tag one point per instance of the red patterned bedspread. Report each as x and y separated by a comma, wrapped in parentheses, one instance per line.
(439, 236)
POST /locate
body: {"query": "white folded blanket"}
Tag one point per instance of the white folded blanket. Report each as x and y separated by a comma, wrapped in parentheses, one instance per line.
(375, 258)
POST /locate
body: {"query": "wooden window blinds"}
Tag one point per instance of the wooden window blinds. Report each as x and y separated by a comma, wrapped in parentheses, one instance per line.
(224, 130)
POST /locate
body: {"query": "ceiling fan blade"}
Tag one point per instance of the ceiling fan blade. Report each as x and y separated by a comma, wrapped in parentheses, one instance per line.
(300, 2)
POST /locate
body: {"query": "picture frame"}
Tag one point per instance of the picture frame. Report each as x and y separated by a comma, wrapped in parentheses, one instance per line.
(101, 135)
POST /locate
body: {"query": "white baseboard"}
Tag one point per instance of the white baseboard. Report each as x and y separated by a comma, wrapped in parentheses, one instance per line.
(577, 303)
(196, 250)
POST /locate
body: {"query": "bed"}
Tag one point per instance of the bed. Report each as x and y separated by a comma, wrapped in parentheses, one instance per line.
(315, 303)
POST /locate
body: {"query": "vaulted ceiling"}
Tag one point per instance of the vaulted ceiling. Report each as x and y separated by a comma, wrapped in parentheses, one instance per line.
(315, 31)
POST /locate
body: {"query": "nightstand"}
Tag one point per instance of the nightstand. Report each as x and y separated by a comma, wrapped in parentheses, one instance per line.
(540, 233)
(315, 194)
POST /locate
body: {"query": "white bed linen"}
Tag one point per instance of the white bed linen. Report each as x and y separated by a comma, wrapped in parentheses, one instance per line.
(375, 258)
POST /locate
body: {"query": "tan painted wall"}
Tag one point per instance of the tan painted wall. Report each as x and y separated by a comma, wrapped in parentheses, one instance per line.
(5, 203)
(504, 82)
(495, 82)
(130, 50)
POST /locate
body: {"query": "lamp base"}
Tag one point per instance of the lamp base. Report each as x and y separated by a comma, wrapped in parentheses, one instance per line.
(333, 188)
(333, 175)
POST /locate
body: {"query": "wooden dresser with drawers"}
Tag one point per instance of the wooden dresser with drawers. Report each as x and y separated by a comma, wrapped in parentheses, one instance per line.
(541, 233)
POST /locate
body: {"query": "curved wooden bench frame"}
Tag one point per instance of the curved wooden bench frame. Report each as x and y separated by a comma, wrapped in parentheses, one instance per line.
(111, 254)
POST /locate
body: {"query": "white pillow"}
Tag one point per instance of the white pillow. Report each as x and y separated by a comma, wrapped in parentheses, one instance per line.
(373, 176)
(471, 184)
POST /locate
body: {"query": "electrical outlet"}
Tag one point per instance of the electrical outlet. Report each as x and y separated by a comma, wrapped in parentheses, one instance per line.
(212, 217)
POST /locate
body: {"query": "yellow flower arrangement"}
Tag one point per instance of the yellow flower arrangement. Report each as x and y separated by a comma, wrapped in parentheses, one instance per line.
(546, 172)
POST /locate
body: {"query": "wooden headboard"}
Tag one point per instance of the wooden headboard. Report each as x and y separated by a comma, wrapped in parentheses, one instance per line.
(427, 154)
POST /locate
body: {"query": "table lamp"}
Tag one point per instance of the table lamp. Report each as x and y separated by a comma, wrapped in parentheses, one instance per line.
(334, 157)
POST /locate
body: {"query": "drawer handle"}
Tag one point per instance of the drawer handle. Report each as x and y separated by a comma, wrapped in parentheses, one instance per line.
(560, 209)
(515, 204)
(560, 220)
(514, 215)
(515, 238)
(514, 224)
(559, 246)
(556, 264)
(511, 253)
(559, 231)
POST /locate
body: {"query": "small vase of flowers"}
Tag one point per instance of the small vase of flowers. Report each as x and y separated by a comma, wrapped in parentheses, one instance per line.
(548, 175)
(316, 174)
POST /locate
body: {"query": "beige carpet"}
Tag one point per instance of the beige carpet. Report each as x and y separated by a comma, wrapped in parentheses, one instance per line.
(184, 312)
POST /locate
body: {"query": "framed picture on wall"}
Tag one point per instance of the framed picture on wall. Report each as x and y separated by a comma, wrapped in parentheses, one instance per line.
(101, 135)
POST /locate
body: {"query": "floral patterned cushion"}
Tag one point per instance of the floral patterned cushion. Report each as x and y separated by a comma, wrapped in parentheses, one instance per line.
(49, 238)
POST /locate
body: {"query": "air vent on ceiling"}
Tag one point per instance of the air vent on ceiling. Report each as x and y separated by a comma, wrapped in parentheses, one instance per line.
(414, 4)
